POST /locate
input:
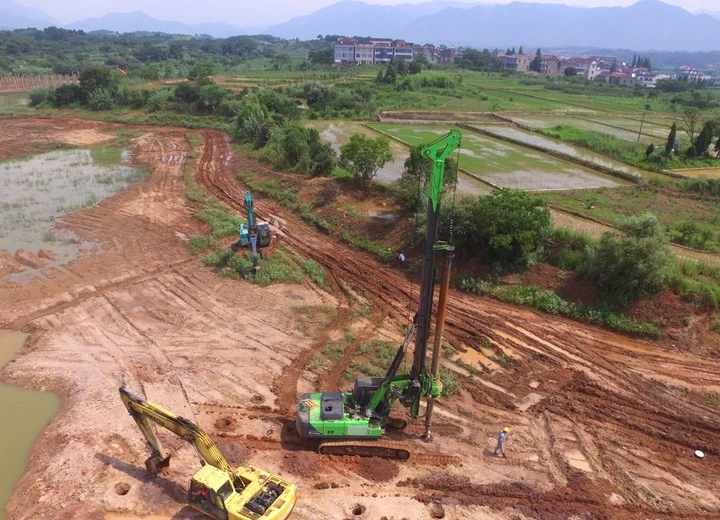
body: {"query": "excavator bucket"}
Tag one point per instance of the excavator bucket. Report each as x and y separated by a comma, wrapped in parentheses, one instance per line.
(156, 463)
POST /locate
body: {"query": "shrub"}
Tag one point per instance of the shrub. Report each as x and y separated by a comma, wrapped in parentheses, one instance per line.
(297, 148)
(450, 385)
(511, 227)
(159, 99)
(68, 94)
(42, 95)
(634, 264)
(100, 99)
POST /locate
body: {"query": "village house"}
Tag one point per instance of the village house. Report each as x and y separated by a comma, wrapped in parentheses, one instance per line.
(372, 51)
(515, 62)
(550, 65)
(584, 67)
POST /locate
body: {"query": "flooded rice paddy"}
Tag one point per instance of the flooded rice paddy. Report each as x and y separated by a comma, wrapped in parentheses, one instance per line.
(338, 133)
(505, 164)
(37, 190)
(533, 139)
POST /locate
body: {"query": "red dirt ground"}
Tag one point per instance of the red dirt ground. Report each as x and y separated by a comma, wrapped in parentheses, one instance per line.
(602, 426)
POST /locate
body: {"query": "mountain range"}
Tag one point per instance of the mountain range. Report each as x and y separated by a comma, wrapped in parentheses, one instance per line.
(14, 15)
(645, 25)
(139, 21)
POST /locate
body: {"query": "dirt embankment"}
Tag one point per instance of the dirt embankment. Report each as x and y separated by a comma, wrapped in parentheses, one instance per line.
(601, 425)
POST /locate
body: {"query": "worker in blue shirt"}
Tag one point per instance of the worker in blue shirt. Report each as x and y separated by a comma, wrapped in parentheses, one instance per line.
(401, 260)
(501, 442)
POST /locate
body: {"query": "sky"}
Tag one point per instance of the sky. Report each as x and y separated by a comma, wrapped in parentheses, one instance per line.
(251, 13)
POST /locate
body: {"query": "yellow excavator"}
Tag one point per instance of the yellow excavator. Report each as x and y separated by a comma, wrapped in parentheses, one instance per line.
(216, 489)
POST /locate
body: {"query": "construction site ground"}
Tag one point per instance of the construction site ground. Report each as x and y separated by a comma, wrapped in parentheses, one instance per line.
(602, 426)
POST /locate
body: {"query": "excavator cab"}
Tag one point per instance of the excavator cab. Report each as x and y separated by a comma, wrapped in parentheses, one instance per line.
(208, 491)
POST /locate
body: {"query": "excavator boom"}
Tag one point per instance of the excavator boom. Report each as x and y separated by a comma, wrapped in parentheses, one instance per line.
(144, 411)
(218, 491)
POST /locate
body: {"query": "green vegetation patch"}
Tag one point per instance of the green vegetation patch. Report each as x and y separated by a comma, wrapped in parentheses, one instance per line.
(548, 301)
(686, 220)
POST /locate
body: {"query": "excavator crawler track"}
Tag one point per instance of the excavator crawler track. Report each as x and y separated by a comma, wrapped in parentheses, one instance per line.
(366, 448)
(386, 449)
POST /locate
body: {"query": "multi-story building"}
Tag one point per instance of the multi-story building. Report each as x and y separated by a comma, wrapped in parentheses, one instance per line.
(364, 53)
(430, 52)
(515, 62)
(446, 56)
(375, 50)
(550, 65)
(692, 74)
(403, 52)
(345, 51)
(586, 67)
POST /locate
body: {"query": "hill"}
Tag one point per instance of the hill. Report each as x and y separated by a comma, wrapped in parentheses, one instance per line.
(645, 25)
(17, 16)
(139, 21)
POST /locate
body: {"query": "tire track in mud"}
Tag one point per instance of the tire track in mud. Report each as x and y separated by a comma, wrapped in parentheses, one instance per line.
(604, 390)
(213, 170)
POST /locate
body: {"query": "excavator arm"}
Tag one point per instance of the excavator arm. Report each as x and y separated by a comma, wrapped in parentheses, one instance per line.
(145, 411)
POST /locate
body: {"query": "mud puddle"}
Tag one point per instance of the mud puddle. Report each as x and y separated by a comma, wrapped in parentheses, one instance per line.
(23, 416)
(13, 98)
(42, 188)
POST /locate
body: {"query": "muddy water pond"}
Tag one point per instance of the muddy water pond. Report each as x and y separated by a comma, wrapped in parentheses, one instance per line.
(13, 98)
(37, 190)
(23, 416)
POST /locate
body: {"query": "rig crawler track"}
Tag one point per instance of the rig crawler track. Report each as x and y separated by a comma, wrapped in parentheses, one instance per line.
(385, 449)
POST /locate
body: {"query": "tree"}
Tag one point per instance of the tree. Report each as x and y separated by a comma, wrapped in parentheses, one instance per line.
(417, 64)
(570, 71)
(322, 57)
(380, 77)
(68, 94)
(282, 60)
(364, 157)
(704, 139)
(521, 50)
(634, 61)
(401, 66)
(411, 188)
(202, 71)
(479, 60)
(536, 63)
(509, 227)
(98, 77)
(614, 66)
(390, 74)
(670, 144)
(175, 50)
(717, 148)
(691, 119)
(633, 264)
(298, 148)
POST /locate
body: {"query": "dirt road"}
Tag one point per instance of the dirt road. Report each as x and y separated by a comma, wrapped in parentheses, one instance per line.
(601, 426)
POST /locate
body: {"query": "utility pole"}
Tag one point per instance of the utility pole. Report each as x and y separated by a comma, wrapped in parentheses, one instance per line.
(641, 125)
